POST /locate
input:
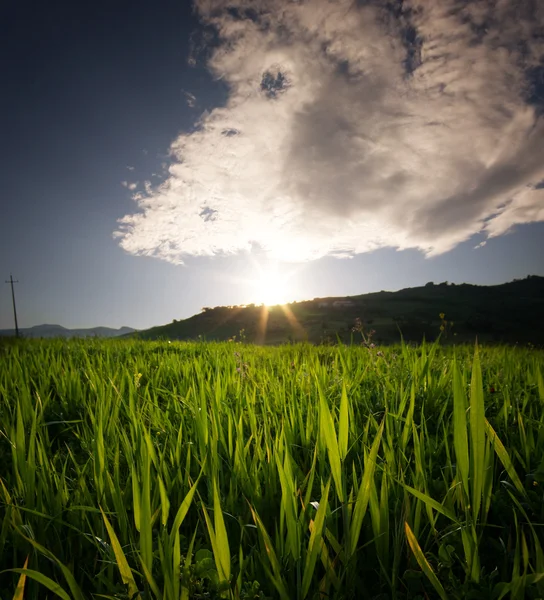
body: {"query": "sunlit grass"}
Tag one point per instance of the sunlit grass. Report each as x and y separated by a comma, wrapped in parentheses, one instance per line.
(209, 470)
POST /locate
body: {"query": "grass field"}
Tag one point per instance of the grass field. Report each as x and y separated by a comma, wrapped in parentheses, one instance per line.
(207, 470)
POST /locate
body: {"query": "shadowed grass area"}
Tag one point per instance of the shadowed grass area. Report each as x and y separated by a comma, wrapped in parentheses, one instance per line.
(226, 470)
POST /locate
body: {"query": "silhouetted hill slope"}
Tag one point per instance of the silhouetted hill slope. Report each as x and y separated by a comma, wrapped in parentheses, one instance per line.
(52, 331)
(510, 312)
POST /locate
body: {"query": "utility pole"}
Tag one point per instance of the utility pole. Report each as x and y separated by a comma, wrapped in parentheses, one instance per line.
(13, 299)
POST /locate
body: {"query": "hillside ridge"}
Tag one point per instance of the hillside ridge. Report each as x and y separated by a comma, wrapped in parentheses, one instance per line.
(508, 313)
(47, 330)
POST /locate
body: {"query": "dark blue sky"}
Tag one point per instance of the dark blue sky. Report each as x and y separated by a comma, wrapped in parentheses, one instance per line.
(89, 90)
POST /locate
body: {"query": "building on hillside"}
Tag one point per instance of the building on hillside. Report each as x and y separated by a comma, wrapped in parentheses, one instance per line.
(323, 305)
(342, 304)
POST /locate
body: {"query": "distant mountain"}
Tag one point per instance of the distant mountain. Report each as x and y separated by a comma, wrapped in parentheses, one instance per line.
(53, 331)
(507, 313)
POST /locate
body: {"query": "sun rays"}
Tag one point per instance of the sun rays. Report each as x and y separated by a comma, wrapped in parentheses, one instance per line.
(268, 290)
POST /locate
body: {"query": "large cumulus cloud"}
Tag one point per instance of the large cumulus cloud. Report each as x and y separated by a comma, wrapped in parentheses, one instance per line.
(351, 126)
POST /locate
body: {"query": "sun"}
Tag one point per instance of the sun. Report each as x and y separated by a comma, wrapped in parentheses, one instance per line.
(271, 288)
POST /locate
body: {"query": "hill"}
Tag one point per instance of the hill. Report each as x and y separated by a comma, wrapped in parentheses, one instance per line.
(507, 313)
(55, 331)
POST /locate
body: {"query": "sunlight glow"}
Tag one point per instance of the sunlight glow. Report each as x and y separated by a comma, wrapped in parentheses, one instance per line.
(271, 288)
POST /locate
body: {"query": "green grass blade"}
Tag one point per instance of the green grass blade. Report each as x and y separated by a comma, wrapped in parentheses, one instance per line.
(431, 502)
(277, 573)
(184, 507)
(146, 523)
(343, 425)
(501, 452)
(122, 563)
(188, 560)
(20, 589)
(165, 502)
(43, 580)
(477, 434)
(329, 434)
(363, 495)
(70, 579)
(423, 563)
(289, 506)
(460, 438)
(221, 533)
(314, 544)
(150, 580)
(136, 498)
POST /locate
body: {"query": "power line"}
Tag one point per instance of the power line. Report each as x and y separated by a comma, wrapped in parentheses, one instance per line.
(11, 281)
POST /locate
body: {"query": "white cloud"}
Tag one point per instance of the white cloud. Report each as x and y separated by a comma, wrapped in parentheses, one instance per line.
(129, 186)
(328, 146)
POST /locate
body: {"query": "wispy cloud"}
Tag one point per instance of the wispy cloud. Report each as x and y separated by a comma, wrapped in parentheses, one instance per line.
(129, 186)
(190, 99)
(350, 126)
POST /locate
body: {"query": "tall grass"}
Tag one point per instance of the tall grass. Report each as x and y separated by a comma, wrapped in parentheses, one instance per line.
(208, 470)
